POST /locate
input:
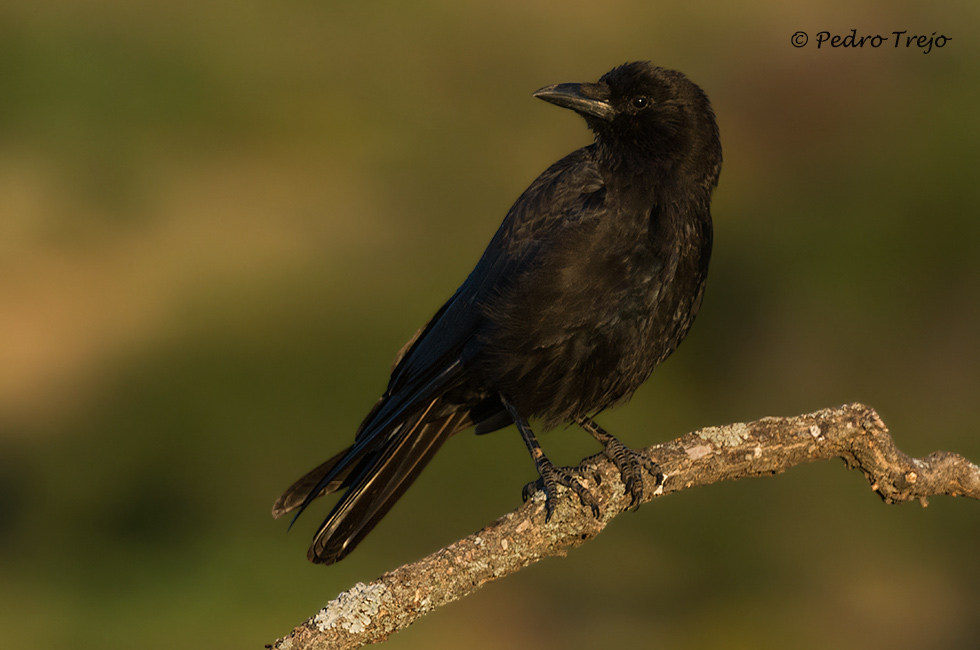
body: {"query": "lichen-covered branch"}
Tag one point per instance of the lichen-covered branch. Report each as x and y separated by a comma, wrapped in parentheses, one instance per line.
(855, 433)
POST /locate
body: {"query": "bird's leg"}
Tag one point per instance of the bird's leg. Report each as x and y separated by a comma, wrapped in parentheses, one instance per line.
(551, 476)
(628, 461)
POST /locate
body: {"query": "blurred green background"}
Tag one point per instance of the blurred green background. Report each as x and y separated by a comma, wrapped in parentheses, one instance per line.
(219, 221)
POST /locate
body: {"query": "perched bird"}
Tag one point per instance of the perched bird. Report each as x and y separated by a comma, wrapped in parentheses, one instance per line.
(593, 278)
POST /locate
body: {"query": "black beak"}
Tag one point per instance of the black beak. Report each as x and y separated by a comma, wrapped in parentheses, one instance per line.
(584, 99)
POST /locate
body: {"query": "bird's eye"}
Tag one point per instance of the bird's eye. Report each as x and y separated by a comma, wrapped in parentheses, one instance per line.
(640, 102)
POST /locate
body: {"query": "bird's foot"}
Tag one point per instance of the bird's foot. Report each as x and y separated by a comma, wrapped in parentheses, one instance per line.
(631, 464)
(628, 461)
(551, 477)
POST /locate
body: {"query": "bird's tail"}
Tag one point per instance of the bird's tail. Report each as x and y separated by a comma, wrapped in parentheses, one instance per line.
(296, 494)
(374, 478)
(378, 482)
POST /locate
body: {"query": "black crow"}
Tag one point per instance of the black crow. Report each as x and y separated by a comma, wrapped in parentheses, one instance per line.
(593, 279)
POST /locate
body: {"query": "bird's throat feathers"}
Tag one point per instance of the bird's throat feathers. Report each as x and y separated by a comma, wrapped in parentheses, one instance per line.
(661, 160)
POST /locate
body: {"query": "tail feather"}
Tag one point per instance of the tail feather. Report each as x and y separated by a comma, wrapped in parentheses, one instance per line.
(381, 478)
(296, 494)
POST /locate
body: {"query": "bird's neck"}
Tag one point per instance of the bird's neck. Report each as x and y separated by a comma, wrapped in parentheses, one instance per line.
(661, 172)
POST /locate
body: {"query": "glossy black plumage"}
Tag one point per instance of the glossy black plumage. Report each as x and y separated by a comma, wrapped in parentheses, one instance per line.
(593, 278)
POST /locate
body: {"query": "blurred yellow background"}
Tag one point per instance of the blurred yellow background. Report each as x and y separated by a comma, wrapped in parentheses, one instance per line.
(219, 221)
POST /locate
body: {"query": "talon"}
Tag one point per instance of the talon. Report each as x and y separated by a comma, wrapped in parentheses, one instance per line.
(549, 506)
(628, 461)
(553, 476)
(529, 490)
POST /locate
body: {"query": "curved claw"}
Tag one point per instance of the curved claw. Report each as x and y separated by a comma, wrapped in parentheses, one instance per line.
(529, 490)
(628, 461)
(552, 476)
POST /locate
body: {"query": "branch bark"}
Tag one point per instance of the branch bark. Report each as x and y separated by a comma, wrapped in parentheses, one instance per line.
(370, 613)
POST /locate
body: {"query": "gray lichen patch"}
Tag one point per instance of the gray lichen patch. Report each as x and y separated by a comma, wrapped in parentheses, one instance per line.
(352, 610)
(730, 436)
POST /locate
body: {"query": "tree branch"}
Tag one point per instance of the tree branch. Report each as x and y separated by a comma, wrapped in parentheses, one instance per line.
(370, 613)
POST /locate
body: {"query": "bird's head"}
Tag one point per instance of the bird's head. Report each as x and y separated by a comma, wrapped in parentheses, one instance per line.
(646, 117)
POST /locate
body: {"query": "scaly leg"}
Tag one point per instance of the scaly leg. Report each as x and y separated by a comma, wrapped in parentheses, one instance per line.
(551, 476)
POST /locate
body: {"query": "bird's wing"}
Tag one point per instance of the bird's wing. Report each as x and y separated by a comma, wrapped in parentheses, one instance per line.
(437, 358)
(557, 199)
(412, 420)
